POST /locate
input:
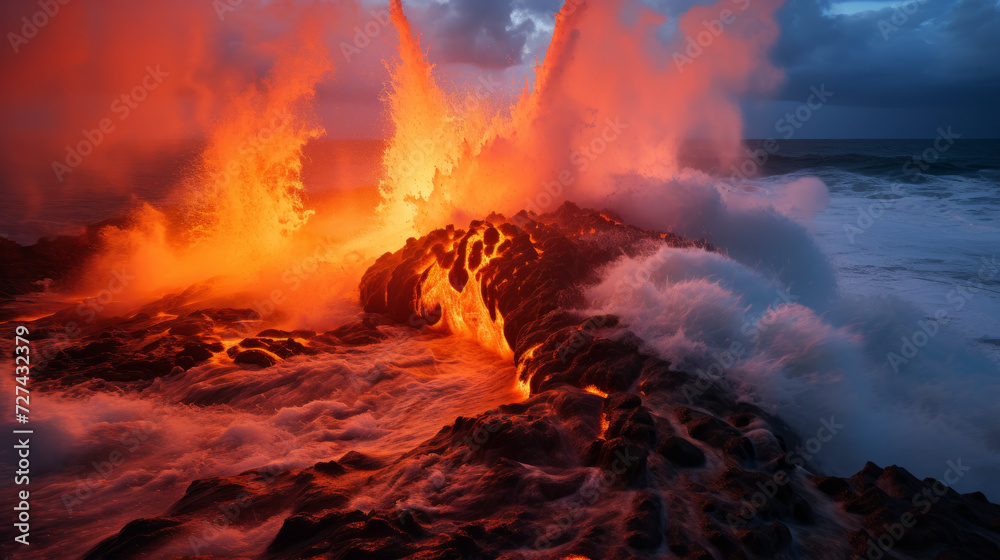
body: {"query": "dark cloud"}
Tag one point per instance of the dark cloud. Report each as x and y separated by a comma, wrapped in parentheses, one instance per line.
(941, 54)
(932, 62)
(488, 34)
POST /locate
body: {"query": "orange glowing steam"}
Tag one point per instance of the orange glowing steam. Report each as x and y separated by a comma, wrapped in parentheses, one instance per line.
(248, 196)
(609, 99)
(242, 205)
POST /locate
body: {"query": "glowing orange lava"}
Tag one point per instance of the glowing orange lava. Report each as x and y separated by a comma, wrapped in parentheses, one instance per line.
(464, 312)
(595, 391)
(524, 383)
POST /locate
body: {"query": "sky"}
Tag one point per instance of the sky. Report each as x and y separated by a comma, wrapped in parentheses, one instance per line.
(895, 69)
(142, 83)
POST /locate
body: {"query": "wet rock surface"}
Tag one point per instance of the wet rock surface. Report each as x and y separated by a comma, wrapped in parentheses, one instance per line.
(169, 337)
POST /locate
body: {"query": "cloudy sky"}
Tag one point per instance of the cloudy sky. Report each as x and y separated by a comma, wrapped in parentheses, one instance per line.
(896, 69)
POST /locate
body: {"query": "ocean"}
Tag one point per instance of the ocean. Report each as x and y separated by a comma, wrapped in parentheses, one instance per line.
(918, 229)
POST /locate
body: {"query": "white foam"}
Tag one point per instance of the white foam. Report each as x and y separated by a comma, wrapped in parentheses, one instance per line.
(690, 307)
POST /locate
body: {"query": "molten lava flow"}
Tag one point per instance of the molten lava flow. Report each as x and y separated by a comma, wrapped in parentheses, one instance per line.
(498, 281)
(524, 381)
(605, 424)
(595, 391)
(458, 291)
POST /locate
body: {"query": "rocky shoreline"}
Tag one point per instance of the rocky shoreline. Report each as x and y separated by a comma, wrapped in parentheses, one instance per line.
(612, 454)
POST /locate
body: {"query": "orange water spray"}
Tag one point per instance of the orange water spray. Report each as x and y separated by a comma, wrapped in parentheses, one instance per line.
(606, 102)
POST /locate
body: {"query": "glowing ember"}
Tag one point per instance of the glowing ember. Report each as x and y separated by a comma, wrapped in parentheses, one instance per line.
(595, 391)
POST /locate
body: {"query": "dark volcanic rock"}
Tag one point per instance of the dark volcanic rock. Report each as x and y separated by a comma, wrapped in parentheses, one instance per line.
(625, 462)
(529, 270)
(915, 515)
(185, 362)
(120, 352)
(768, 539)
(191, 327)
(135, 536)
(206, 492)
(331, 468)
(516, 280)
(360, 461)
(681, 452)
(141, 369)
(622, 401)
(837, 488)
(275, 333)
(283, 349)
(255, 357)
(522, 439)
(197, 351)
(364, 535)
(712, 431)
(644, 527)
(361, 333)
(94, 349)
